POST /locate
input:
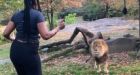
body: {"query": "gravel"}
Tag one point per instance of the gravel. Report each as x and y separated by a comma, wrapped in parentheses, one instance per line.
(104, 25)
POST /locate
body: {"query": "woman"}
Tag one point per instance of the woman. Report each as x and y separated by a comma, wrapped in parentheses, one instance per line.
(29, 23)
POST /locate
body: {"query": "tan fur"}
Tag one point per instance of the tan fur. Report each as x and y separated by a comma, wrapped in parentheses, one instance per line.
(98, 48)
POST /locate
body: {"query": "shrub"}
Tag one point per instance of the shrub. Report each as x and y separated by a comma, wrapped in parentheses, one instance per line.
(133, 12)
(114, 13)
(55, 20)
(71, 18)
(117, 6)
(93, 11)
(3, 40)
(4, 21)
(71, 10)
(96, 9)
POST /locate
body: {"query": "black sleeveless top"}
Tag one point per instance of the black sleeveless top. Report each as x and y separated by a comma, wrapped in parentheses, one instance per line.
(35, 18)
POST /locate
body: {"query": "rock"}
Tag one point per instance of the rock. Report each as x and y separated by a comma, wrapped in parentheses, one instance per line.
(128, 35)
(122, 44)
(134, 28)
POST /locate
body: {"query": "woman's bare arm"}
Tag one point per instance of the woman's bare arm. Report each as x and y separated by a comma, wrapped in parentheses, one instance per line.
(45, 33)
(8, 30)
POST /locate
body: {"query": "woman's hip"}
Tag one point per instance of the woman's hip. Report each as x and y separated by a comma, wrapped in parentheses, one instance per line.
(23, 50)
(24, 47)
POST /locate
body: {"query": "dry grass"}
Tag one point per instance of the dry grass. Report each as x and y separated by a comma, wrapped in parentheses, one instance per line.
(2, 29)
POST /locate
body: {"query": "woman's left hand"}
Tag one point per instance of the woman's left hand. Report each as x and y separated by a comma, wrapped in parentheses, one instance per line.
(61, 24)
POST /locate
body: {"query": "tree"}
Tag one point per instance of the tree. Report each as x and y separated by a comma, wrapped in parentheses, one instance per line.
(8, 7)
(54, 6)
(50, 6)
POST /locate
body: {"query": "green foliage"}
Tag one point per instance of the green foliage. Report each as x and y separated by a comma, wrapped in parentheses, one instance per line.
(96, 9)
(4, 50)
(93, 11)
(114, 13)
(69, 69)
(55, 20)
(116, 8)
(7, 69)
(4, 53)
(70, 19)
(133, 12)
(76, 69)
(8, 7)
(71, 10)
(3, 40)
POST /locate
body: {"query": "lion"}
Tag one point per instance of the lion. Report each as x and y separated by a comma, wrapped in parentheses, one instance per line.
(99, 54)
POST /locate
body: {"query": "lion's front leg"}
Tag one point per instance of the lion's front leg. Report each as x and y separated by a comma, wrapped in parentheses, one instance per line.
(99, 68)
(106, 67)
(95, 65)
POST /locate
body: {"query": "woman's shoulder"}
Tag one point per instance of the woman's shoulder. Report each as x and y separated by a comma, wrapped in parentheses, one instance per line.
(36, 13)
(33, 12)
(17, 13)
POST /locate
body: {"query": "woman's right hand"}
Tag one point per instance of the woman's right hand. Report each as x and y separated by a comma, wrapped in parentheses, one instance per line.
(61, 24)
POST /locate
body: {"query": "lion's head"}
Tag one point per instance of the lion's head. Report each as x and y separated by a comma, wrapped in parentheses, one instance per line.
(99, 47)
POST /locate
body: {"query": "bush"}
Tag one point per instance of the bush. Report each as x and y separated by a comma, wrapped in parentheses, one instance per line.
(4, 21)
(114, 13)
(67, 11)
(93, 11)
(71, 18)
(117, 7)
(133, 12)
(2, 40)
(55, 20)
(96, 9)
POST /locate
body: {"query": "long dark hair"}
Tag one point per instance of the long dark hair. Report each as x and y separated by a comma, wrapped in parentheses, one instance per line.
(29, 4)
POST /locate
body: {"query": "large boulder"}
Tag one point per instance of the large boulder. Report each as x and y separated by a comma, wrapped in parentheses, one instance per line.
(122, 44)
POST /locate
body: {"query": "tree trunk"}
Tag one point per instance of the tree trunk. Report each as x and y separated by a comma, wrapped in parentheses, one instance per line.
(106, 11)
(139, 18)
(52, 23)
(52, 14)
(48, 17)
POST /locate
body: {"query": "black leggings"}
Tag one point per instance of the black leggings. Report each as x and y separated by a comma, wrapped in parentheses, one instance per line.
(25, 58)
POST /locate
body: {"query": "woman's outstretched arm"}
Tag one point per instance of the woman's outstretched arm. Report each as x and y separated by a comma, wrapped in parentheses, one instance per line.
(45, 33)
